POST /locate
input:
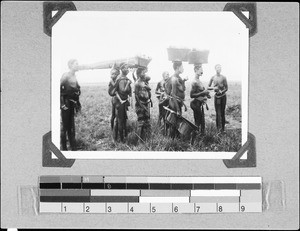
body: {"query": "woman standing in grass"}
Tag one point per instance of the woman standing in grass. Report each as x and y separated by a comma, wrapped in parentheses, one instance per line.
(199, 96)
(220, 87)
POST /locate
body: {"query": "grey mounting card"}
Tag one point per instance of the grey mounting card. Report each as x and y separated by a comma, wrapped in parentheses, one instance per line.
(273, 105)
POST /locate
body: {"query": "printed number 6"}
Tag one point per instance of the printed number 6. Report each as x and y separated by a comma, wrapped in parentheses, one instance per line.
(176, 209)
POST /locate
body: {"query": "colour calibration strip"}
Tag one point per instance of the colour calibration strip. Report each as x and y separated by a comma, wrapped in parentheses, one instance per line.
(110, 194)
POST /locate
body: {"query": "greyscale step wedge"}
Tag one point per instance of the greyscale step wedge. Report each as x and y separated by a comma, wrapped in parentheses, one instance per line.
(112, 194)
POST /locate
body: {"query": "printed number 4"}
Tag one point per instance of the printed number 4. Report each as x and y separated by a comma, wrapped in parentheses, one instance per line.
(131, 209)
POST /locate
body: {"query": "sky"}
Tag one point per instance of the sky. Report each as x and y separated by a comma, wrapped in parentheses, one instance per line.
(95, 36)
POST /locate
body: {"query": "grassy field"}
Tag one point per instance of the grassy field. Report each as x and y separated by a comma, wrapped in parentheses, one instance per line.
(93, 124)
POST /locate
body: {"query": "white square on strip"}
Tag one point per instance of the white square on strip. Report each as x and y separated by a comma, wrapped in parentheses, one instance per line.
(116, 207)
(138, 207)
(94, 207)
(161, 207)
(205, 207)
(50, 207)
(72, 207)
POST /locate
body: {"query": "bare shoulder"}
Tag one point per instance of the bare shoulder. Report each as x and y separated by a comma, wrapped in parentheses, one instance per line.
(137, 83)
(224, 77)
(173, 79)
(65, 76)
(194, 82)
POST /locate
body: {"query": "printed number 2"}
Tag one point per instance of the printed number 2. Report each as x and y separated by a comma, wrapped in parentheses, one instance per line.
(87, 209)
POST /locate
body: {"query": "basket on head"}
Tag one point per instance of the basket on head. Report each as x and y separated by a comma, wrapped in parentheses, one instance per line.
(142, 61)
(178, 54)
(198, 56)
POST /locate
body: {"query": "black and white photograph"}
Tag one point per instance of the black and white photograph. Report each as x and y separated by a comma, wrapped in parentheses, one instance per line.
(149, 85)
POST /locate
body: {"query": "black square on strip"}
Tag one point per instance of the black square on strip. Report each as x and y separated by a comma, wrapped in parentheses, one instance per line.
(137, 186)
(160, 186)
(50, 185)
(93, 185)
(71, 185)
(115, 185)
(225, 186)
(204, 186)
(64, 199)
(182, 186)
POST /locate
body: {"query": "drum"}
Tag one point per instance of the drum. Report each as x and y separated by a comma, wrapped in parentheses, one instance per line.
(186, 128)
(172, 118)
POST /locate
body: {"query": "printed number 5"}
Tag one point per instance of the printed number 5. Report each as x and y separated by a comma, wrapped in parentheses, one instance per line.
(153, 209)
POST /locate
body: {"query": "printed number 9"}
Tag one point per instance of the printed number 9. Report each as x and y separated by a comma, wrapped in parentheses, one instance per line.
(176, 209)
(242, 208)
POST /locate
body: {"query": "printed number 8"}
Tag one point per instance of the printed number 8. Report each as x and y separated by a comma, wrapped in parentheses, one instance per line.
(220, 209)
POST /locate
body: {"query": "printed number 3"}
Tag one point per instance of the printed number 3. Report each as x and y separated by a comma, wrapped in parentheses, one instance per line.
(109, 209)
